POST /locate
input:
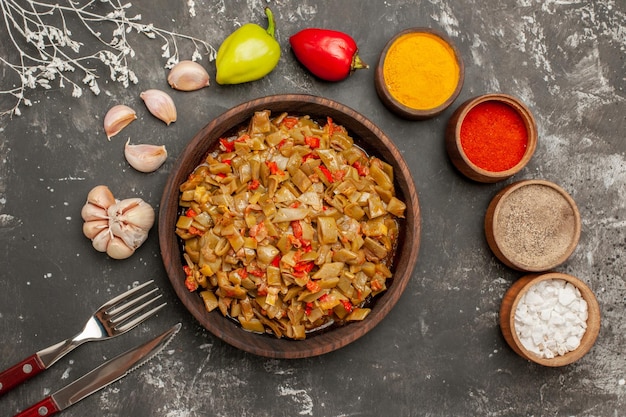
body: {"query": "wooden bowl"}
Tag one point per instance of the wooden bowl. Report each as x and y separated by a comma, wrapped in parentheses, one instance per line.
(401, 106)
(532, 225)
(455, 149)
(511, 301)
(366, 135)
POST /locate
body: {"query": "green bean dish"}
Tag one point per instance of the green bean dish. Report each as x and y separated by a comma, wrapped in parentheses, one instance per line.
(289, 227)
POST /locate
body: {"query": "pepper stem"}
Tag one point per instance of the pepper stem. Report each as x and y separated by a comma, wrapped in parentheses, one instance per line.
(270, 20)
(357, 63)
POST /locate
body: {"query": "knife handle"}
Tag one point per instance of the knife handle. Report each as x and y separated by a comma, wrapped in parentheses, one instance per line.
(43, 408)
(19, 373)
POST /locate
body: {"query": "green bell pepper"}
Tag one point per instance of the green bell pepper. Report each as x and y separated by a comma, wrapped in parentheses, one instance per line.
(248, 54)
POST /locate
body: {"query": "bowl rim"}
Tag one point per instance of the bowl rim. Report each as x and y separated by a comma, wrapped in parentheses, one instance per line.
(400, 108)
(267, 345)
(492, 214)
(474, 171)
(511, 300)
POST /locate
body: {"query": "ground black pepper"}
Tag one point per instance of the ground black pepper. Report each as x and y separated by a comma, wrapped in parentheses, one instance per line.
(535, 226)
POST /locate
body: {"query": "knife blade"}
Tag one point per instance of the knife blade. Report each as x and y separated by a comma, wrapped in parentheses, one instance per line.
(103, 375)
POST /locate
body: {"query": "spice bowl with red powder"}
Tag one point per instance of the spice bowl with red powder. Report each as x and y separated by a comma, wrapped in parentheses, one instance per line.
(491, 137)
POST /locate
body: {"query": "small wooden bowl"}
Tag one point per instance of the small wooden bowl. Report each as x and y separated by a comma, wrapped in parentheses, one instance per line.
(455, 149)
(367, 136)
(532, 225)
(403, 109)
(509, 305)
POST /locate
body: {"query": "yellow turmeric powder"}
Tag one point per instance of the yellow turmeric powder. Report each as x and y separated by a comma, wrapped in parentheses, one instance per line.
(421, 71)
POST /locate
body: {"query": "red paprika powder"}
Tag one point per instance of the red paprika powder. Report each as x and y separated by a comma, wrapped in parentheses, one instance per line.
(494, 136)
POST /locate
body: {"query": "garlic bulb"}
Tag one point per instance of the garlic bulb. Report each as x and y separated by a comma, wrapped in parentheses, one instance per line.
(117, 118)
(145, 158)
(160, 104)
(188, 76)
(116, 227)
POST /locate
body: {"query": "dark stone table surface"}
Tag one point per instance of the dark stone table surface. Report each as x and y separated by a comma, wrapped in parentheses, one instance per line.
(440, 351)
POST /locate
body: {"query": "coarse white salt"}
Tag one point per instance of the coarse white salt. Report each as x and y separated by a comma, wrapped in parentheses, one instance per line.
(551, 318)
(567, 295)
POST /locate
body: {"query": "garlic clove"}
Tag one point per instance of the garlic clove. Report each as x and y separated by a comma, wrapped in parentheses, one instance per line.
(130, 220)
(160, 104)
(133, 236)
(188, 76)
(117, 249)
(101, 196)
(100, 242)
(145, 158)
(134, 211)
(93, 227)
(117, 118)
(91, 212)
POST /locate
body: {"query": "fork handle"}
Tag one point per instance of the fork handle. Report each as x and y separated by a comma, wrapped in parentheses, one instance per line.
(20, 372)
(45, 407)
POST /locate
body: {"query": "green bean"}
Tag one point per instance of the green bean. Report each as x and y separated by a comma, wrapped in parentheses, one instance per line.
(289, 227)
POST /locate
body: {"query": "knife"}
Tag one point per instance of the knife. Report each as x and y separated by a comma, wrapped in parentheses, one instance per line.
(100, 377)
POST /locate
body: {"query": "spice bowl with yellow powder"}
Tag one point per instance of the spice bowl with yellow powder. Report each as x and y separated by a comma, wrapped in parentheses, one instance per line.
(491, 137)
(419, 73)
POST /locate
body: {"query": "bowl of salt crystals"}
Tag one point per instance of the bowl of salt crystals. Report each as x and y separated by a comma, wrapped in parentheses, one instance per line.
(551, 318)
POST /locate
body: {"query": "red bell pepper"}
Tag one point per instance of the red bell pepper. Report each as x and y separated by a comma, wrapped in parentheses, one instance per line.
(191, 283)
(195, 231)
(361, 169)
(289, 122)
(254, 184)
(327, 173)
(329, 54)
(273, 166)
(312, 141)
(310, 156)
(227, 145)
(308, 309)
(297, 229)
(304, 266)
(313, 286)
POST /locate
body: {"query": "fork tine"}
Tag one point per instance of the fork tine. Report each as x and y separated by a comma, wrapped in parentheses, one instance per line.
(127, 294)
(140, 319)
(127, 314)
(117, 309)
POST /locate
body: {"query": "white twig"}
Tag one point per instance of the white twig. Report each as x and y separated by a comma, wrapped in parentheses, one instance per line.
(49, 55)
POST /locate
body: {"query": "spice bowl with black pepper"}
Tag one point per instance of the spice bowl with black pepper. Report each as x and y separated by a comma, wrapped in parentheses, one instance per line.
(532, 225)
(419, 73)
(491, 137)
(552, 319)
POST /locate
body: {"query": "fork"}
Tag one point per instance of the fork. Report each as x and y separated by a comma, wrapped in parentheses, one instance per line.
(113, 318)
